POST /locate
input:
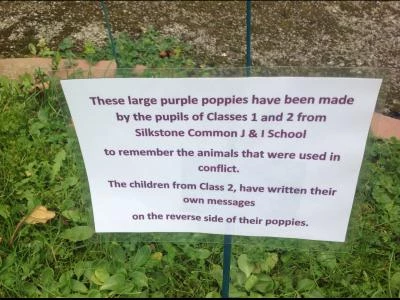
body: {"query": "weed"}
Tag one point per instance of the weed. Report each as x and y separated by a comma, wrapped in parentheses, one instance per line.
(151, 49)
(64, 50)
(147, 50)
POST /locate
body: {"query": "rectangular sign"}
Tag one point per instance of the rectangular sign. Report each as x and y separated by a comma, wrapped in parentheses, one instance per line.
(255, 156)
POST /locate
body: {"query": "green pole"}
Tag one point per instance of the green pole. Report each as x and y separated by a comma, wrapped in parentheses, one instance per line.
(228, 238)
(108, 27)
(226, 266)
(248, 37)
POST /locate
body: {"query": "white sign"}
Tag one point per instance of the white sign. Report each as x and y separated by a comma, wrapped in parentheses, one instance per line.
(276, 157)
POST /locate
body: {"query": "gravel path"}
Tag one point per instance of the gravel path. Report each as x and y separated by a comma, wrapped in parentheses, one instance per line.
(293, 33)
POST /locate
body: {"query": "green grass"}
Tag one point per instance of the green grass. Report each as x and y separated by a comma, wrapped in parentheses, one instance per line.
(40, 164)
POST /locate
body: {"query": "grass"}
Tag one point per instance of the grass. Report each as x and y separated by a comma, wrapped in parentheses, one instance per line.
(40, 164)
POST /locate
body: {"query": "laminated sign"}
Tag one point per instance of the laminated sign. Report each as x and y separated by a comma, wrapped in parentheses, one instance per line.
(254, 156)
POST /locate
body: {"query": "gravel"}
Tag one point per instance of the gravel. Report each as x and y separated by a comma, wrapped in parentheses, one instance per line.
(284, 33)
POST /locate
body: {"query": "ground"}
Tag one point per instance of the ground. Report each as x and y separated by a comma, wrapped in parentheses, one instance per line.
(342, 34)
